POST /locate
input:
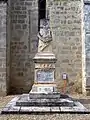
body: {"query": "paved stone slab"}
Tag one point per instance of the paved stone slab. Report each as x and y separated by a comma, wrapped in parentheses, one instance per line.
(77, 108)
(35, 109)
(55, 109)
(11, 108)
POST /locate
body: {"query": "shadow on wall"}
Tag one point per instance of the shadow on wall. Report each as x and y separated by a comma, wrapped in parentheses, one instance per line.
(3, 1)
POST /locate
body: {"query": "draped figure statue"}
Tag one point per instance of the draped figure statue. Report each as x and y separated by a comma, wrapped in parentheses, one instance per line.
(44, 36)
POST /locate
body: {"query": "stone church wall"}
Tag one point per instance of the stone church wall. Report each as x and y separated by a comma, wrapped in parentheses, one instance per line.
(65, 20)
(23, 43)
(22, 28)
(87, 43)
(3, 84)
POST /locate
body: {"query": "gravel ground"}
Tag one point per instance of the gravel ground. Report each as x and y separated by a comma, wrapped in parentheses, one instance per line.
(5, 100)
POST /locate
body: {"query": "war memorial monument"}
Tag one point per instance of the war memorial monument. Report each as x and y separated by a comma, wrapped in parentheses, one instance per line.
(44, 96)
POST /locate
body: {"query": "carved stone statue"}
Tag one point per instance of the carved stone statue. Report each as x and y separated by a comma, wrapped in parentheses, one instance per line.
(44, 36)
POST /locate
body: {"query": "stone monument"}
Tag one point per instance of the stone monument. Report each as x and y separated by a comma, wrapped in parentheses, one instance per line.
(44, 60)
(44, 97)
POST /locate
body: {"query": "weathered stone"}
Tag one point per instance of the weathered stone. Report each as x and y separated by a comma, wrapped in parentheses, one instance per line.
(28, 3)
(61, 16)
(24, 8)
(21, 43)
(17, 8)
(21, 21)
(21, 17)
(18, 26)
(22, 27)
(3, 81)
(23, 104)
(21, 3)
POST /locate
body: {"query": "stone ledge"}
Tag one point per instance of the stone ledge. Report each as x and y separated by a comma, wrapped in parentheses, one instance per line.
(11, 108)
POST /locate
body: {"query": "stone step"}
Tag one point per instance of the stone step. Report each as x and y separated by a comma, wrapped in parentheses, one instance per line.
(44, 103)
(25, 108)
(45, 100)
(26, 104)
(47, 96)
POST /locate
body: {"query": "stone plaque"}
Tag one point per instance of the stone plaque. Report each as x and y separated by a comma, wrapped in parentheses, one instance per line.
(45, 89)
(45, 76)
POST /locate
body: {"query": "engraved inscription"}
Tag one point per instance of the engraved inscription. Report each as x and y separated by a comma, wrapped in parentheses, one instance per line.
(45, 89)
(45, 76)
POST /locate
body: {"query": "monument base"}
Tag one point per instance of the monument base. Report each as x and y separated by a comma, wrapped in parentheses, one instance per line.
(44, 80)
(43, 103)
(43, 88)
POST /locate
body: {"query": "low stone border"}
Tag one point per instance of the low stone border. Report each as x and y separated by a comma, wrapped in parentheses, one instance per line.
(11, 108)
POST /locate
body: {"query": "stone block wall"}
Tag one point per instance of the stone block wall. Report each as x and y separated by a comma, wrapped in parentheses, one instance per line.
(3, 83)
(65, 20)
(23, 44)
(22, 28)
(87, 38)
(87, 43)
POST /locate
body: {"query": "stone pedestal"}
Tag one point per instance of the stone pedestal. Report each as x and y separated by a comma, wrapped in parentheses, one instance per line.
(44, 81)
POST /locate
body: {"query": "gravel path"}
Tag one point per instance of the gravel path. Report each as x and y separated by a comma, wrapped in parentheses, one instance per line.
(85, 100)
